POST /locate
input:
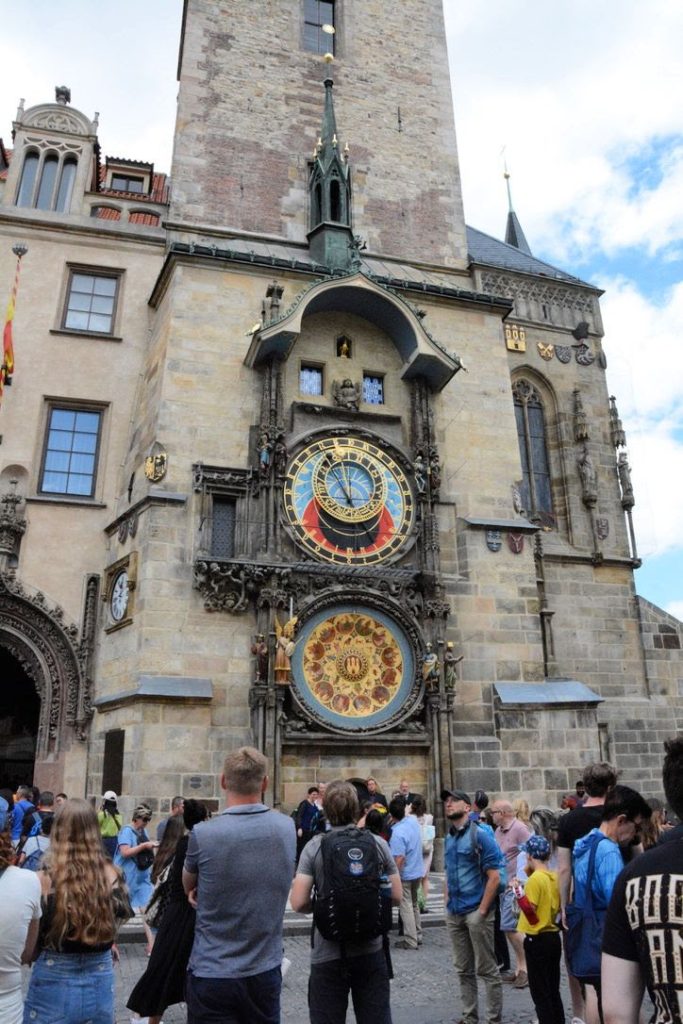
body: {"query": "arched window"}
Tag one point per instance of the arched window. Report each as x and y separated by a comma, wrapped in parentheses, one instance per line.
(66, 184)
(48, 176)
(28, 179)
(47, 182)
(531, 435)
(335, 200)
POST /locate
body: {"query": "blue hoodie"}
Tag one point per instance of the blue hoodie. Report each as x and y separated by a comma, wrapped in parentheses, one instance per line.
(608, 865)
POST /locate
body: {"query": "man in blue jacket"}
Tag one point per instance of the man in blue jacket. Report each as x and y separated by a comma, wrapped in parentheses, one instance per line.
(472, 883)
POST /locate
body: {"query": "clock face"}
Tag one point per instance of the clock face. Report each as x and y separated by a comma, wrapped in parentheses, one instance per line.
(119, 596)
(353, 667)
(348, 501)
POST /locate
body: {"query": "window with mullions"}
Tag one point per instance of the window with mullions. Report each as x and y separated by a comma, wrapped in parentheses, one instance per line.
(90, 302)
(47, 186)
(316, 14)
(70, 457)
(531, 435)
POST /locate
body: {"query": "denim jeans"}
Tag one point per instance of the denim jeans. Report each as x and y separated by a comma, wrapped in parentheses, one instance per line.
(366, 977)
(253, 1000)
(71, 988)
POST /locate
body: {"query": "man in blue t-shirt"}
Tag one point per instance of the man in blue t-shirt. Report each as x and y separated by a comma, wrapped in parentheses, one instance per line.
(406, 847)
(238, 870)
(472, 881)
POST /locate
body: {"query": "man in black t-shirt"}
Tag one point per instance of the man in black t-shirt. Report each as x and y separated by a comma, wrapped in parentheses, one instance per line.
(643, 936)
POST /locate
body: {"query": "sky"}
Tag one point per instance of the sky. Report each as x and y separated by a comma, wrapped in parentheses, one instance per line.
(583, 102)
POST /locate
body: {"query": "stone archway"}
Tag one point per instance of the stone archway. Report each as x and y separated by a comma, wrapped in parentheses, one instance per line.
(53, 658)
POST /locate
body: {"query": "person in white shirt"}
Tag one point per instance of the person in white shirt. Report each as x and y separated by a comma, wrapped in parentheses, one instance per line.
(19, 916)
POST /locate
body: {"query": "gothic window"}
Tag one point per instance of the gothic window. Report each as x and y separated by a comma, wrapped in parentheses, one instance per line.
(28, 179)
(71, 449)
(531, 435)
(335, 201)
(311, 380)
(47, 185)
(223, 528)
(373, 389)
(90, 302)
(318, 20)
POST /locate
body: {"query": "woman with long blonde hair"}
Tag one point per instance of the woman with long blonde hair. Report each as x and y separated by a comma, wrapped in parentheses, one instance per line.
(73, 979)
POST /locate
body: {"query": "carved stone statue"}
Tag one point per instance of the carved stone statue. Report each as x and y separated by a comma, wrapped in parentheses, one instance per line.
(259, 649)
(450, 663)
(623, 469)
(589, 478)
(284, 649)
(280, 455)
(434, 471)
(430, 669)
(347, 395)
(264, 449)
(419, 469)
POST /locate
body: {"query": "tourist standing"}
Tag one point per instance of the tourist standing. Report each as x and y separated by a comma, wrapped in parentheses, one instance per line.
(238, 872)
(472, 880)
(511, 834)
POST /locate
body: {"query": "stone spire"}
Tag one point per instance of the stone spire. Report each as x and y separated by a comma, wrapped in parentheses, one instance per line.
(513, 229)
(330, 237)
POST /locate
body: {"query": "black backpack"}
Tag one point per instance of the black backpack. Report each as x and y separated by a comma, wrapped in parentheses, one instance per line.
(348, 906)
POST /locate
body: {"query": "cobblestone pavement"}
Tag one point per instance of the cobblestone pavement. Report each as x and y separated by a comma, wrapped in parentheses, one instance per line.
(424, 989)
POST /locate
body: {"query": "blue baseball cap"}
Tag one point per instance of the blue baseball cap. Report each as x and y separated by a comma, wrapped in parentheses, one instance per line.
(537, 847)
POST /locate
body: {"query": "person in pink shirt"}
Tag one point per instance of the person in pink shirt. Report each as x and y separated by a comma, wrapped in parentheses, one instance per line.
(511, 834)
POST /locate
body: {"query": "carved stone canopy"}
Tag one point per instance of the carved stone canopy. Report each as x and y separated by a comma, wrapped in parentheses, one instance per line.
(422, 356)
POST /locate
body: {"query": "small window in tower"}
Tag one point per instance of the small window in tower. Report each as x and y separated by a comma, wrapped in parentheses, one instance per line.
(319, 26)
(335, 200)
(373, 389)
(310, 379)
(127, 183)
(47, 182)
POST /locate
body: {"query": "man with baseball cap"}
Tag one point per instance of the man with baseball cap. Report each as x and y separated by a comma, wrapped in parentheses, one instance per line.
(472, 881)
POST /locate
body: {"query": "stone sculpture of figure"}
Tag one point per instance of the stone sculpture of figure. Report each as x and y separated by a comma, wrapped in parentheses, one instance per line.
(434, 471)
(450, 662)
(589, 478)
(347, 394)
(280, 455)
(516, 489)
(284, 649)
(264, 450)
(419, 470)
(627, 497)
(430, 669)
(343, 350)
(259, 649)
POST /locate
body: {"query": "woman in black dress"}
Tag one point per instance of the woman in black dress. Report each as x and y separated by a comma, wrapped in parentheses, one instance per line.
(163, 983)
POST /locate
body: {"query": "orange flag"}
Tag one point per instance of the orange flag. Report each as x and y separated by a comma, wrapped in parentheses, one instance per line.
(7, 343)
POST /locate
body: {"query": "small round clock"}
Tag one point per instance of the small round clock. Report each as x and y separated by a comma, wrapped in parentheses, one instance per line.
(348, 501)
(118, 602)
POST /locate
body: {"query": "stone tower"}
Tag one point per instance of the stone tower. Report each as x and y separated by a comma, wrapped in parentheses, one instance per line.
(350, 486)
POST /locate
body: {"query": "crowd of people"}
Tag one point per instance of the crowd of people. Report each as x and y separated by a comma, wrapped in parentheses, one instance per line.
(597, 880)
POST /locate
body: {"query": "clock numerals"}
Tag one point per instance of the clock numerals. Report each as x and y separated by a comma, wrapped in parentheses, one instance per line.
(348, 501)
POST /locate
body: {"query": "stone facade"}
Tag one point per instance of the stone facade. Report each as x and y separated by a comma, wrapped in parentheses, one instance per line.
(525, 575)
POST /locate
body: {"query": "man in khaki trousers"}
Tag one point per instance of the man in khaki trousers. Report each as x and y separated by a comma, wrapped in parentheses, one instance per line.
(472, 882)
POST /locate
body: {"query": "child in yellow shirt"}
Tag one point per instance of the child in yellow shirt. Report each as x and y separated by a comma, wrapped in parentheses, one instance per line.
(540, 906)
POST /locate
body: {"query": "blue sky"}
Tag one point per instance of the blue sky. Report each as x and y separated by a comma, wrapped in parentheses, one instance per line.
(584, 98)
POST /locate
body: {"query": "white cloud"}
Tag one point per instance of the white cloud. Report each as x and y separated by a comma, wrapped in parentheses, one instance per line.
(570, 89)
(675, 608)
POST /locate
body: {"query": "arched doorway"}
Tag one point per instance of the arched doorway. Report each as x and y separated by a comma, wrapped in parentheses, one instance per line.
(19, 720)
